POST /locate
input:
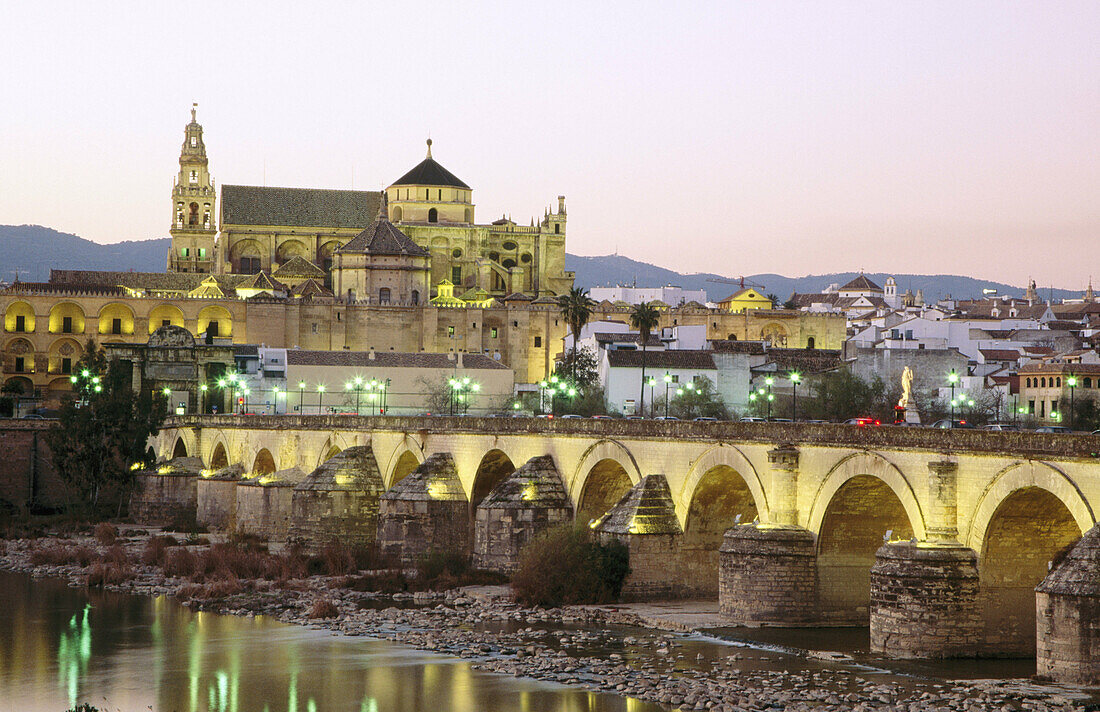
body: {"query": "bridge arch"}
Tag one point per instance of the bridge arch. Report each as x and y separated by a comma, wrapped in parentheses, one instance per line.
(179, 443)
(606, 471)
(721, 485)
(219, 458)
(180, 448)
(1027, 514)
(863, 497)
(405, 457)
(333, 445)
(264, 462)
(494, 468)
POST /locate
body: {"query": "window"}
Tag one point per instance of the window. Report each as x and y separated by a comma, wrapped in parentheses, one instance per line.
(440, 196)
(515, 324)
(165, 322)
(810, 343)
(538, 342)
(212, 329)
(1031, 407)
(1053, 407)
(456, 253)
(415, 297)
(525, 258)
(456, 274)
(557, 229)
(1043, 382)
(1042, 409)
(676, 379)
(66, 365)
(67, 325)
(451, 331)
(313, 326)
(427, 194)
(493, 333)
(250, 265)
(1059, 384)
(185, 251)
(194, 177)
(194, 141)
(20, 364)
(1028, 382)
(193, 217)
(433, 215)
(202, 253)
(116, 326)
(384, 295)
(1087, 383)
(20, 323)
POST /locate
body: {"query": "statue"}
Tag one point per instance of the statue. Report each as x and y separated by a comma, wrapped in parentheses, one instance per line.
(902, 412)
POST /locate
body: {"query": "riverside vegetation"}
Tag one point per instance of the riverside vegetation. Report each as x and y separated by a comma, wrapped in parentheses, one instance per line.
(440, 608)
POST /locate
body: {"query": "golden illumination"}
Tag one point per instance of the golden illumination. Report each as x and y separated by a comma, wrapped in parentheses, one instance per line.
(206, 473)
(16, 310)
(66, 311)
(530, 492)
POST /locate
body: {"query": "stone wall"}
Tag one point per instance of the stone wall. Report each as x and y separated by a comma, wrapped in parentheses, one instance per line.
(217, 501)
(168, 494)
(924, 601)
(1067, 604)
(426, 511)
(263, 510)
(767, 575)
(338, 501)
(27, 475)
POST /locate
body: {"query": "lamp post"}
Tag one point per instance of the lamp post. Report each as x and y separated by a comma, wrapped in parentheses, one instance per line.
(651, 382)
(1072, 383)
(275, 400)
(385, 395)
(770, 381)
(668, 380)
(301, 397)
(320, 396)
(202, 397)
(952, 378)
(794, 377)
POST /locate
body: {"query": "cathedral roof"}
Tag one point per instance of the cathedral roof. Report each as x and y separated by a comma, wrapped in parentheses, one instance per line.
(298, 266)
(260, 280)
(383, 238)
(428, 172)
(297, 207)
(310, 288)
(862, 284)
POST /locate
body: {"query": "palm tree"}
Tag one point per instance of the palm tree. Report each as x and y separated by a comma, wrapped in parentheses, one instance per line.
(644, 318)
(576, 308)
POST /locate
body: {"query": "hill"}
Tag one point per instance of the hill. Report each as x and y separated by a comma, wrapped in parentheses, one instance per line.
(32, 250)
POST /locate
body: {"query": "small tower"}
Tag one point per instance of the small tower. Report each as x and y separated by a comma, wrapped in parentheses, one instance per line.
(193, 224)
(1089, 296)
(1032, 294)
(890, 292)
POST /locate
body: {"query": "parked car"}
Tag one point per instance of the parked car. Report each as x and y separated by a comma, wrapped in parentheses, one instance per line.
(601, 417)
(570, 416)
(1002, 427)
(666, 417)
(705, 419)
(33, 416)
(1053, 429)
(753, 419)
(863, 421)
(635, 417)
(947, 424)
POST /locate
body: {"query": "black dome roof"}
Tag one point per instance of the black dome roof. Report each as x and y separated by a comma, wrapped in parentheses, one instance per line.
(428, 172)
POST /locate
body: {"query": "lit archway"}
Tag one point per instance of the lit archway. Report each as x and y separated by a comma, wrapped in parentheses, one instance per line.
(117, 319)
(165, 315)
(264, 464)
(219, 459)
(494, 467)
(405, 464)
(66, 318)
(858, 517)
(719, 498)
(180, 449)
(216, 321)
(19, 318)
(328, 452)
(63, 355)
(1028, 528)
(606, 483)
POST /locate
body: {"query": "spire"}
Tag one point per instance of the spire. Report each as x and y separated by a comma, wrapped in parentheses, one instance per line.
(429, 148)
(194, 107)
(1089, 296)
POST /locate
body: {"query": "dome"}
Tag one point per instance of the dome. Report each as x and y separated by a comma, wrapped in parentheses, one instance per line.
(428, 172)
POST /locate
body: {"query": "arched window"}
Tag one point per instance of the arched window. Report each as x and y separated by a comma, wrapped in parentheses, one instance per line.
(1059, 383)
(810, 343)
(193, 219)
(732, 337)
(1027, 381)
(397, 213)
(415, 297)
(433, 215)
(557, 229)
(384, 295)
(1043, 382)
(1087, 383)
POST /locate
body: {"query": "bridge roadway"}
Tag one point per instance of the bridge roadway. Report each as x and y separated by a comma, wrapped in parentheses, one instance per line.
(1014, 499)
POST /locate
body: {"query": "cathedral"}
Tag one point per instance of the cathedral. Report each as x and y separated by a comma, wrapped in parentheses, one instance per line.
(428, 211)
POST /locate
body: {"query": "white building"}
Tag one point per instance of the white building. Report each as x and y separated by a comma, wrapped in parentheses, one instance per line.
(670, 295)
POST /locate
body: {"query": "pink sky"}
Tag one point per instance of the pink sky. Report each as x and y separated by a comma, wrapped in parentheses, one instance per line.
(729, 137)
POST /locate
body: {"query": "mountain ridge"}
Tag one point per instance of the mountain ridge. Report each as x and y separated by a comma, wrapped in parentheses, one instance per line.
(30, 251)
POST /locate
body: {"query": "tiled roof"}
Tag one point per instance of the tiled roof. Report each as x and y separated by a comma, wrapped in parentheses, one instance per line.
(805, 360)
(178, 281)
(700, 360)
(260, 280)
(310, 288)
(298, 266)
(428, 172)
(1000, 354)
(623, 338)
(861, 284)
(1089, 369)
(1059, 324)
(63, 287)
(298, 207)
(517, 297)
(383, 238)
(725, 346)
(388, 359)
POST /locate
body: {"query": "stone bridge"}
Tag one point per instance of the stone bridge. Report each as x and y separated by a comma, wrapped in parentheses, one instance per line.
(822, 496)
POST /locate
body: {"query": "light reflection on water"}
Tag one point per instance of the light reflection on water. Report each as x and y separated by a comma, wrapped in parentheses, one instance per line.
(62, 646)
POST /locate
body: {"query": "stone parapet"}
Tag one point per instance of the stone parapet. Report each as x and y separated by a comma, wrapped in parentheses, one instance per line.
(767, 574)
(924, 601)
(1067, 606)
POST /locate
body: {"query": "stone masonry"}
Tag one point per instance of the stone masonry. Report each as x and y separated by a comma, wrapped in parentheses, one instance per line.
(767, 574)
(924, 601)
(338, 501)
(1067, 605)
(426, 511)
(167, 494)
(532, 499)
(217, 498)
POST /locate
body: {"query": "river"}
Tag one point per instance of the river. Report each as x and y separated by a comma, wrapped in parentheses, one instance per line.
(60, 646)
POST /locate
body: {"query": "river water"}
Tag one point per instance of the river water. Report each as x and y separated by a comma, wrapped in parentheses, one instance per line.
(61, 646)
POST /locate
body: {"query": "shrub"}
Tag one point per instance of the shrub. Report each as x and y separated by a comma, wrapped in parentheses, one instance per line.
(179, 562)
(59, 555)
(440, 570)
(566, 565)
(105, 533)
(81, 555)
(116, 555)
(324, 608)
(337, 559)
(156, 549)
(384, 581)
(108, 573)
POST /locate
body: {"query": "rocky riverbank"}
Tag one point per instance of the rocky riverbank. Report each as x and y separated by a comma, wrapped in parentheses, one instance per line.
(581, 646)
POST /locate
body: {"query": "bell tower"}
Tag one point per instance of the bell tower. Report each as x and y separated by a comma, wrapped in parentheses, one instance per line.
(193, 223)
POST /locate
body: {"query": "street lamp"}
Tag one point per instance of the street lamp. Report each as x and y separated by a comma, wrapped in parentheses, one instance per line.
(275, 397)
(769, 381)
(668, 380)
(952, 378)
(652, 382)
(202, 397)
(794, 377)
(320, 396)
(1072, 383)
(301, 395)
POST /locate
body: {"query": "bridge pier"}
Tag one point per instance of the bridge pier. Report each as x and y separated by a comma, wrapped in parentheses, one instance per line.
(426, 511)
(1067, 605)
(168, 493)
(645, 521)
(767, 574)
(338, 501)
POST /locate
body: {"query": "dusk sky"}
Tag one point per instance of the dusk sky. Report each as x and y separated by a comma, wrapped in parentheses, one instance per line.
(733, 137)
